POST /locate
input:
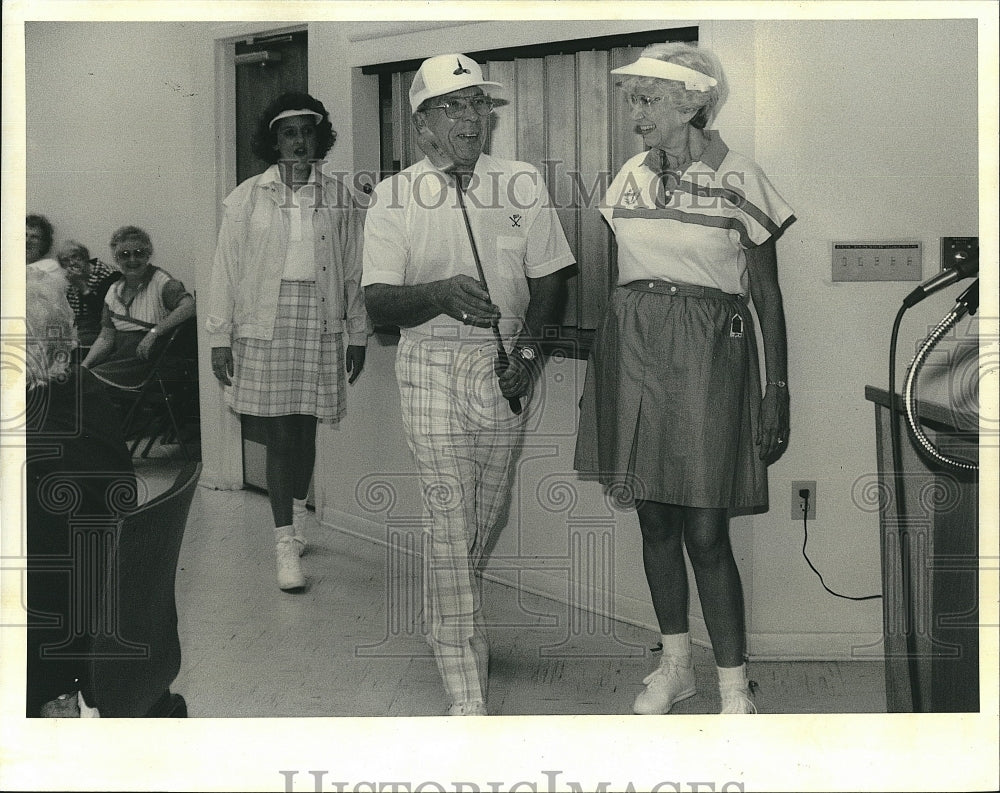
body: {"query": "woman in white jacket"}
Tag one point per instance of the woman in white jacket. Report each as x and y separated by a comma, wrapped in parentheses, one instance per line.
(286, 287)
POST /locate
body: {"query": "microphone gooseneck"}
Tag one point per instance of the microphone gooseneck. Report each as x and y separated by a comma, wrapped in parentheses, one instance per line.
(964, 268)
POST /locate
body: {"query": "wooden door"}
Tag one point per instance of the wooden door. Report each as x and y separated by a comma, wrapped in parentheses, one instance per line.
(266, 67)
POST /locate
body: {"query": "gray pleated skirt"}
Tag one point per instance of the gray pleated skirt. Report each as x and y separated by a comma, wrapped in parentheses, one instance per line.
(671, 401)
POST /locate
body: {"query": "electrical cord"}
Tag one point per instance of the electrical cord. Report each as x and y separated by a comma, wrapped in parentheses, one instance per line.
(804, 495)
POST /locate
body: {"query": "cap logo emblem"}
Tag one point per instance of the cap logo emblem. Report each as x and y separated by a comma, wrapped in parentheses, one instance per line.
(461, 69)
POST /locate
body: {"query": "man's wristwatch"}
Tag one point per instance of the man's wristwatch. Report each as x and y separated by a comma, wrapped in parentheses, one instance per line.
(527, 353)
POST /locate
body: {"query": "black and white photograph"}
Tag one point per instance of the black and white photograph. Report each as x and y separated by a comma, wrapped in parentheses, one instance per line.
(345, 385)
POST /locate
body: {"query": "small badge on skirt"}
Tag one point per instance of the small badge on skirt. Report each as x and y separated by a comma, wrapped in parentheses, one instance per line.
(736, 327)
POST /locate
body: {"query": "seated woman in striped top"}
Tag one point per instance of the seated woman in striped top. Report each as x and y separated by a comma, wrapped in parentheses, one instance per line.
(140, 308)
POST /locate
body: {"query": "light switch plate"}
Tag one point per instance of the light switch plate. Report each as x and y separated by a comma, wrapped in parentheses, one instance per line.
(877, 261)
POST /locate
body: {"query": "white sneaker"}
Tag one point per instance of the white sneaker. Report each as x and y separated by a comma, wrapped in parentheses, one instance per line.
(736, 700)
(669, 684)
(290, 575)
(86, 712)
(477, 708)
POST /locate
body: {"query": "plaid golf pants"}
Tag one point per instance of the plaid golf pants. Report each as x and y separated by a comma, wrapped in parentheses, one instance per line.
(464, 438)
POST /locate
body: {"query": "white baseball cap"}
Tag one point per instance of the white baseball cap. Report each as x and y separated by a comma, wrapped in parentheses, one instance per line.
(443, 74)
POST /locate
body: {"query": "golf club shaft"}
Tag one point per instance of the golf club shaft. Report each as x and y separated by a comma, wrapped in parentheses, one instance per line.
(514, 402)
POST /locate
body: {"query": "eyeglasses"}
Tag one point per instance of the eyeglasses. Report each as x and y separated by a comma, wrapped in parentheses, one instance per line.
(73, 260)
(456, 108)
(645, 102)
(136, 253)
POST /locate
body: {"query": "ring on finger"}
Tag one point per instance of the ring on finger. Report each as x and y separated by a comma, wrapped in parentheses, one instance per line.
(465, 316)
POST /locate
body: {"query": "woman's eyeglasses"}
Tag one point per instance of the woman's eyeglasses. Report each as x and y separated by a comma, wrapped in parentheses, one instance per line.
(645, 102)
(135, 253)
(72, 259)
(456, 108)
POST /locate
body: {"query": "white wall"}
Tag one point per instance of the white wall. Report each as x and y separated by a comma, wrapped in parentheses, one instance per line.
(850, 128)
(866, 128)
(112, 133)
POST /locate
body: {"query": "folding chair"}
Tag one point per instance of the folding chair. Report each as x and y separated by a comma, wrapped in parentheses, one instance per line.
(170, 388)
(141, 593)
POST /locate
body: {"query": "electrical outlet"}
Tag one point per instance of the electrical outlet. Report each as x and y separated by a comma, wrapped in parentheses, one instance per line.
(957, 249)
(876, 261)
(797, 500)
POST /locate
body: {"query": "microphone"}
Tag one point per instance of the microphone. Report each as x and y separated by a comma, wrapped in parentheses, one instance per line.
(968, 301)
(964, 268)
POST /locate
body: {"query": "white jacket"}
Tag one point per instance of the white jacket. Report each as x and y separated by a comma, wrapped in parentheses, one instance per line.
(250, 258)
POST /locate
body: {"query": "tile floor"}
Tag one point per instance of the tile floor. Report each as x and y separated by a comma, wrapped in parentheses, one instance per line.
(250, 650)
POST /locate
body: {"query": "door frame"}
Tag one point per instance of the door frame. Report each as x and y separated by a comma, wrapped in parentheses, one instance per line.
(222, 437)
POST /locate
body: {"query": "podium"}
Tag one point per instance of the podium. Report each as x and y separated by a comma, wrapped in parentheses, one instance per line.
(930, 560)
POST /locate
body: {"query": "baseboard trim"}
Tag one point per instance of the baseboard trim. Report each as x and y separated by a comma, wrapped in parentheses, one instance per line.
(848, 646)
(212, 479)
(760, 646)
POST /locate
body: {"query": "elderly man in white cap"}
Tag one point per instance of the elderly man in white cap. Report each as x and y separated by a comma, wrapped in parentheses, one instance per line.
(464, 252)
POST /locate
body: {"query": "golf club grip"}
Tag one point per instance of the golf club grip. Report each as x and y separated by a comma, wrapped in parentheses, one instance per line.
(514, 402)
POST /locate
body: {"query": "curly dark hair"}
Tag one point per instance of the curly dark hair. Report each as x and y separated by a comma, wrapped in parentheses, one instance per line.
(265, 138)
(41, 223)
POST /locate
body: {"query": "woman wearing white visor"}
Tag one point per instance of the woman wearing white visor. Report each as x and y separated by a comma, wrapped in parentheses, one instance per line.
(672, 409)
(286, 288)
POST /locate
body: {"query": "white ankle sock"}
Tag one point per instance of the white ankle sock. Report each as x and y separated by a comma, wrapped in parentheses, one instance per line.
(733, 676)
(281, 532)
(299, 507)
(677, 645)
(86, 712)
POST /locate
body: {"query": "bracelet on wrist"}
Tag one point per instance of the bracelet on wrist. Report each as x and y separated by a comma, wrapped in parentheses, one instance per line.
(778, 383)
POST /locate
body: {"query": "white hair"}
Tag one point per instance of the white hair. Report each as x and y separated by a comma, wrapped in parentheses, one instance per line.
(708, 103)
(51, 327)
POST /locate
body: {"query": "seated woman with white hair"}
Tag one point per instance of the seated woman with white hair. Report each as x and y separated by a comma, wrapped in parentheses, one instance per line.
(140, 309)
(79, 476)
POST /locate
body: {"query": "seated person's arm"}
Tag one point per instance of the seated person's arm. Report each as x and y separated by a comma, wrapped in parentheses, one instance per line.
(181, 312)
(182, 308)
(103, 344)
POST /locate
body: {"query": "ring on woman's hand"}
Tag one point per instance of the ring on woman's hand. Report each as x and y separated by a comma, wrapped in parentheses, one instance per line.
(465, 316)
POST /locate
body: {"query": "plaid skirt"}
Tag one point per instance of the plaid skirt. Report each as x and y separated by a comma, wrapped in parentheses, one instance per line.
(299, 371)
(671, 401)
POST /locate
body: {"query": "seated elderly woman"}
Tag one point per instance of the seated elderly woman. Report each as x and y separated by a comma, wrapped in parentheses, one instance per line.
(78, 476)
(89, 281)
(139, 309)
(38, 236)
